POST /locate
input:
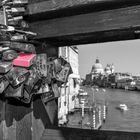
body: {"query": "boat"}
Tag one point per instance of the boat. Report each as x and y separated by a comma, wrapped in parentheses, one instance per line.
(122, 107)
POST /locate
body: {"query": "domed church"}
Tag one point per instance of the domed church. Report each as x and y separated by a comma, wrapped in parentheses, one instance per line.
(109, 69)
(97, 68)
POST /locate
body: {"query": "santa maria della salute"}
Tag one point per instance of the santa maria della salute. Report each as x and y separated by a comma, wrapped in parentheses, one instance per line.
(97, 69)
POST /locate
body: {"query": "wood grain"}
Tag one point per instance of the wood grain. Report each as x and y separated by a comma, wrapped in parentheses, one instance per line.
(91, 27)
(79, 134)
(41, 6)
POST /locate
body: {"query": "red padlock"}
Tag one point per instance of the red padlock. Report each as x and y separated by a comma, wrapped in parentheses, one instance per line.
(24, 60)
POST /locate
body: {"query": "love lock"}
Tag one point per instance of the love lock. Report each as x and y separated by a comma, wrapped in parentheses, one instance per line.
(5, 67)
(33, 84)
(9, 55)
(24, 60)
(17, 76)
(16, 92)
(3, 83)
(23, 47)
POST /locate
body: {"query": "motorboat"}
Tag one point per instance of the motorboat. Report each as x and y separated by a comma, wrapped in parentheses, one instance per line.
(122, 107)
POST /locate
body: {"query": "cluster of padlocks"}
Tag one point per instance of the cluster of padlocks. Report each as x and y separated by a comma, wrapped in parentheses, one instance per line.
(24, 72)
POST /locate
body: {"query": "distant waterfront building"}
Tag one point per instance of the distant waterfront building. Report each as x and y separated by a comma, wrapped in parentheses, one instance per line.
(109, 69)
(88, 78)
(66, 101)
(97, 68)
(99, 74)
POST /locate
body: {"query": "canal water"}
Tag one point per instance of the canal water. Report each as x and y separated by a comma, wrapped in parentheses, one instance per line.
(116, 119)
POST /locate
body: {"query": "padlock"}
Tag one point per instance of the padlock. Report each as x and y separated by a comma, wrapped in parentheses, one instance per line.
(22, 47)
(50, 69)
(3, 17)
(16, 10)
(33, 84)
(41, 64)
(13, 20)
(62, 76)
(19, 38)
(4, 2)
(24, 60)
(55, 90)
(5, 43)
(17, 76)
(5, 67)
(46, 97)
(3, 49)
(3, 83)
(17, 2)
(16, 92)
(26, 97)
(44, 89)
(23, 24)
(18, 24)
(4, 38)
(57, 65)
(9, 55)
(13, 29)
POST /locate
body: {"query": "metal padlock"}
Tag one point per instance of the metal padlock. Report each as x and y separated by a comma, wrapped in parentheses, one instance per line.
(16, 10)
(23, 47)
(9, 55)
(46, 97)
(19, 37)
(17, 2)
(13, 29)
(18, 24)
(57, 65)
(17, 76)
(3, 18)
(50, 70)
(16, 92)
(33, 83)
(44, 89)
(3, 83)
(62, 76)
(5, 43)
(26, 97)
(5, 67)
(55, 90)
(4, 38)
(14, 20)
(41, 64)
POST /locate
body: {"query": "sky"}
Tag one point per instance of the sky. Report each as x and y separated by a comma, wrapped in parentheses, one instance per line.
(125, 55)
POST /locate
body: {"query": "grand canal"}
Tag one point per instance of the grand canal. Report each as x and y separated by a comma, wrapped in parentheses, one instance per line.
(117, 120)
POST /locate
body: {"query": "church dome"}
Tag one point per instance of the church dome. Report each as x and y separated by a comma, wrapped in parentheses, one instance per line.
(97, 67)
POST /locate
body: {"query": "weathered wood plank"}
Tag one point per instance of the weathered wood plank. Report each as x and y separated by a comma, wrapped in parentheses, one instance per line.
(40, 6)
(43, 116)
(80, 27)
(79, 134)
(2, 117)
(17, 120)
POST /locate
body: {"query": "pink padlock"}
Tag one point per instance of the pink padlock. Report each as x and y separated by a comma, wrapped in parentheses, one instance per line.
(24, 60)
